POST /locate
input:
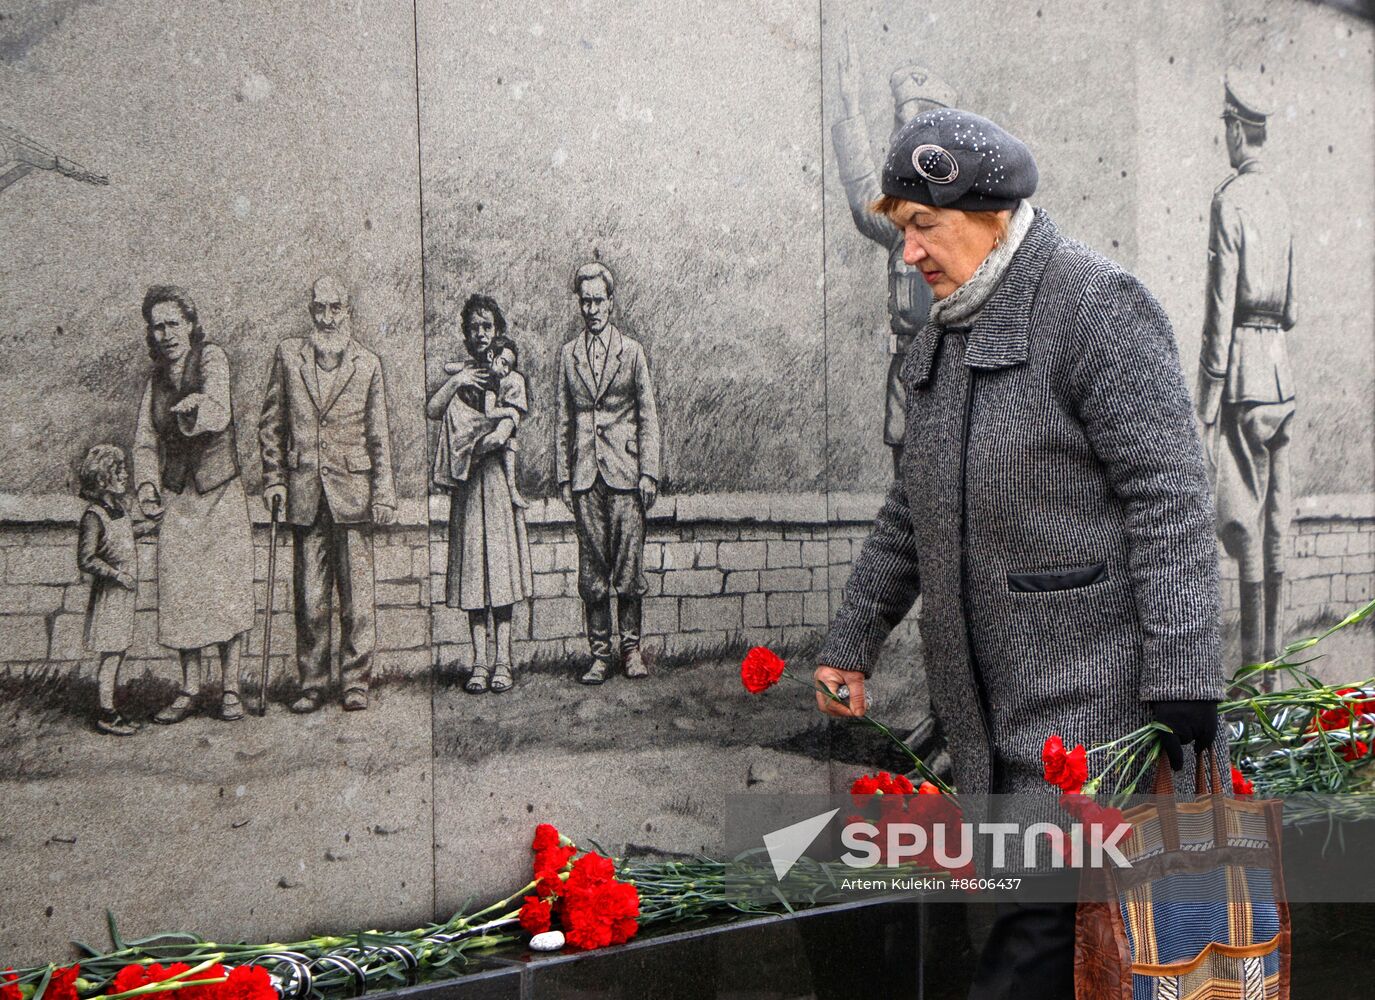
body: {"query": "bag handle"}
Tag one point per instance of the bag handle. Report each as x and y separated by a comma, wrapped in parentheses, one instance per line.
(1212, 780)
(1163, 790)
(1207, 781)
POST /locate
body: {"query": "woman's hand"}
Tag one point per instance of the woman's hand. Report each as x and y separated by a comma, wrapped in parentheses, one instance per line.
(831, 679)
(126, 580)
(464, 376)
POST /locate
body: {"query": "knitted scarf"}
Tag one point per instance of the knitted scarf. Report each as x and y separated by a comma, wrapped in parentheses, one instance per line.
(962, 306)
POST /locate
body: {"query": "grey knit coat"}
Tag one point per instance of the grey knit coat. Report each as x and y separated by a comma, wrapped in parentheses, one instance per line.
(1054, 514)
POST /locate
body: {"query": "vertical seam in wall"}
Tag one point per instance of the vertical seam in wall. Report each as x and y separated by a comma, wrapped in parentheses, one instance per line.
(425, 506)
(825, 342)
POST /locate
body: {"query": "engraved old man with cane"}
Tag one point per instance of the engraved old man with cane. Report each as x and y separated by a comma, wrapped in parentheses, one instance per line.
(326, 454)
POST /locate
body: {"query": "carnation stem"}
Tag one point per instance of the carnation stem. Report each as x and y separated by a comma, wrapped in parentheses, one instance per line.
(918, 764)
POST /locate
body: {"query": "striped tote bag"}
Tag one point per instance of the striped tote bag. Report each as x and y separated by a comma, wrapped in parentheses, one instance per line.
(1200, 914)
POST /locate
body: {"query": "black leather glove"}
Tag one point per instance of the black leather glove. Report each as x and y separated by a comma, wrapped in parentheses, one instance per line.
(1192, 721)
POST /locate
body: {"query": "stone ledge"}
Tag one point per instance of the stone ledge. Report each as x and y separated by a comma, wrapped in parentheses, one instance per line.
(64, 509)
(729, 508)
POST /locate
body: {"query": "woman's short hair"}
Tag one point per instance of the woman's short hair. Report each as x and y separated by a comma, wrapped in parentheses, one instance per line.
(995, 222)
(482, 303)
(589, 271)
(159, 294)
(97, 472)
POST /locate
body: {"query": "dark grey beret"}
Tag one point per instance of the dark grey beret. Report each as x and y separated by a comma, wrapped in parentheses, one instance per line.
(955, 159)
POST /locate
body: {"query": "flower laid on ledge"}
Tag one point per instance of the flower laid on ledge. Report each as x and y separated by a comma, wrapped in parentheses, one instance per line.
(902, 806)
(206, 980)
(593, 907)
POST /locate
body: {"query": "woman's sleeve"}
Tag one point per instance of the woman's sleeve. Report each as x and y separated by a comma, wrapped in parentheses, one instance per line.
(1130, 394)
(146, 443)
(88, 540)
(883, 585)
(212, 416)
(439, 401)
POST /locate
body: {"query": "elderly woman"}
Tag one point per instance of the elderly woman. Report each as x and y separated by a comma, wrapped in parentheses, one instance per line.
(186, 470)
(1052, 506)
(489, 550)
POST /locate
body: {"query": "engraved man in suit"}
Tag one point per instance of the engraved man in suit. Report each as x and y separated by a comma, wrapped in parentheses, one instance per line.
(909, 298)
(1245, 387)
(327, 465)
(607, 459)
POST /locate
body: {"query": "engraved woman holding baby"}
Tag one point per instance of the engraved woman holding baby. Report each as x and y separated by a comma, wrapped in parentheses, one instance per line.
(479, 409)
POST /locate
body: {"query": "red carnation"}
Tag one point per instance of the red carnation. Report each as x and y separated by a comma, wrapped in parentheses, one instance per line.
(882, 783)
(548, 885)
(9, 985)
(926, 788)
(535, 915)
(603, 914)
(1066, 770)
(210, 991)
(761, 669)
(865, 784)
(245, 982)
(131, 977)
(1053, 757)
(62, 984)
(1076, 769)
(894, 784)
(549, 863)
(590, 870)
(546, 836)
(1356, 750)
(1240, 785)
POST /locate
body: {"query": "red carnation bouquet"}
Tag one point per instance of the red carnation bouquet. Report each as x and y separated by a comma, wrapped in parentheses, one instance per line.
(579, 893)
(1068, 770)
(209, 979)
(924, 807)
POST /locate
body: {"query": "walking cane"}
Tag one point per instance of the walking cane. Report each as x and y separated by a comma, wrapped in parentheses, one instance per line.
(271, 587)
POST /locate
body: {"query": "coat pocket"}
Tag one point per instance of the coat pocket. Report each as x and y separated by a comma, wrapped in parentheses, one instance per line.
(1056, 579)
(358, 461)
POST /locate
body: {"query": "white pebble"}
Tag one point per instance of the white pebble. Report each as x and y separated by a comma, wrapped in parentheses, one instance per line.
(548, 941)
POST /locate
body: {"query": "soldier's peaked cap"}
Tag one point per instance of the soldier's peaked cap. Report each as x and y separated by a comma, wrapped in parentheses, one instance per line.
(916, 83)
(956, 159)
(1244, 98)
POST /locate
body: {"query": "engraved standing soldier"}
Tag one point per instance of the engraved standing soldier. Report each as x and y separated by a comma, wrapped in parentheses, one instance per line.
(607, 459)
(326, 456)
(1245, 387)
(909, 297)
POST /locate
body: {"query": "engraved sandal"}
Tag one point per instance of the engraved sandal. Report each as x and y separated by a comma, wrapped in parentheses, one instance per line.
(477, 680)
(501, 678)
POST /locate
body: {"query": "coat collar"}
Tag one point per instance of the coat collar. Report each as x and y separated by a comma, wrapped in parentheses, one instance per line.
(582, 363)
(998, 338)
(311, 377)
